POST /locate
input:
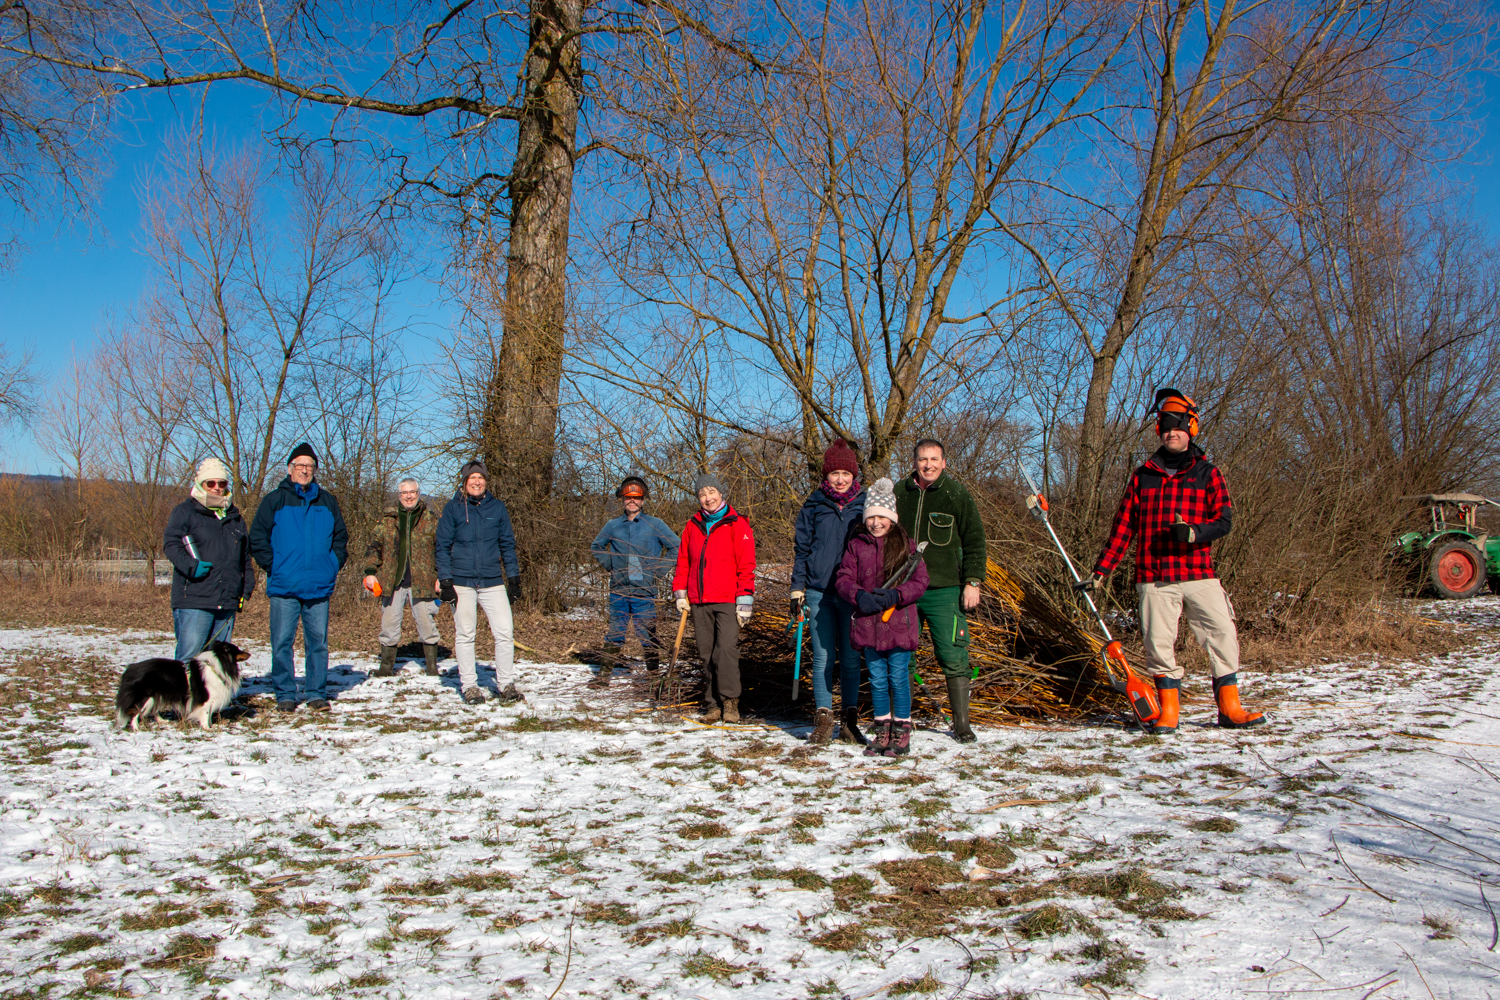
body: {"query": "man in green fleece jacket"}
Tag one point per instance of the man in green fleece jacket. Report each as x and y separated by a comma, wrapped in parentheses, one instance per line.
(935, 508)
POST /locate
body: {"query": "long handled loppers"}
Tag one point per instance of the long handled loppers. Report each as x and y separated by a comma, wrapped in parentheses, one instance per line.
(902, 575)
(797, 664)
(1122, 678)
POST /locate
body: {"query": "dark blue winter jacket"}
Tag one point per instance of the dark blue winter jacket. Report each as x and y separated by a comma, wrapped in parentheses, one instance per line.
(222, 541)
(637, 553)
(475, 544)
(299, 539)
(818, 543)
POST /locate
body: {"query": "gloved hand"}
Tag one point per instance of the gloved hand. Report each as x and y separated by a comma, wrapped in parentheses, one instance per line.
(513, 589)
(682, 601)
(1093, 584)
(1182, 532)
(743, 612)
(799, 602)
(868, 603)
(886, 597)
(201, 570)
(446, 591)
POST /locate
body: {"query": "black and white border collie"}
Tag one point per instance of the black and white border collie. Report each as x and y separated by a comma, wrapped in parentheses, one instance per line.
(195, 689)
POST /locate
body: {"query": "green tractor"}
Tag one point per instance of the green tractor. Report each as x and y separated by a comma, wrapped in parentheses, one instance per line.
(1456, 555)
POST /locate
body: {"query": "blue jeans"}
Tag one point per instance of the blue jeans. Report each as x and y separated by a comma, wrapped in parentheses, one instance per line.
(285, 613)
(624, 609)
(890, 684)
(196, 628)
(829, 620)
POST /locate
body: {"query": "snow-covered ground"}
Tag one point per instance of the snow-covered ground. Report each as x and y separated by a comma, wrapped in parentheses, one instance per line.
(581, 845)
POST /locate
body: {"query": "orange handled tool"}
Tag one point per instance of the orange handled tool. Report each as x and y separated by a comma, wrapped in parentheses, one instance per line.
(902, 575)
(1122, 678)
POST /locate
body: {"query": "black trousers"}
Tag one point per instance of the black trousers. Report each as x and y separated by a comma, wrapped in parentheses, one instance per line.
(718, 634)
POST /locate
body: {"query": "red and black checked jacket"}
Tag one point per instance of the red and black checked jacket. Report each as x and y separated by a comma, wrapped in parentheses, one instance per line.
(1151, 503)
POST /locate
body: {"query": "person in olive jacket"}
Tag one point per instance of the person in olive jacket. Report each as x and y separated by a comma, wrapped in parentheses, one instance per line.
(404, 546)
(209, 548)
(938, 510)
(823, 527)
(477, 568)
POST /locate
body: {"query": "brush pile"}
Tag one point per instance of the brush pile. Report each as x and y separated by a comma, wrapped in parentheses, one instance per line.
(1036, 661)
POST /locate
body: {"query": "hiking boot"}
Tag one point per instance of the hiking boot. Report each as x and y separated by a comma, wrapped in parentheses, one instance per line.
(880, 738)
(900, 739)
(473, 696)
(286, 706)
(1167, 694)
(711, 712)
(822, 726)
(849, 727)
(731, 710)
(607, 661)
(387, 666)
(510, 695)
(317, 705)
(958, 704)
(1231, 714)
(429, 653)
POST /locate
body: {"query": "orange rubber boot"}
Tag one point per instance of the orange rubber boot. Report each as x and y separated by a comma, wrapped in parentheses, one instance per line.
(1231, 714)
(1166, 695)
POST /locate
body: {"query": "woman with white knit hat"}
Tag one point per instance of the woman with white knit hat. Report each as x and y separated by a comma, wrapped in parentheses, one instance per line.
(208, 545)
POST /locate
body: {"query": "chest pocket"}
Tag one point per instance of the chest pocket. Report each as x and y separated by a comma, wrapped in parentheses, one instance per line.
(940, 529)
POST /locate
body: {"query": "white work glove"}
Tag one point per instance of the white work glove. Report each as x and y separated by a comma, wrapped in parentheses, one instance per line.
(682, 601)
(744, 607)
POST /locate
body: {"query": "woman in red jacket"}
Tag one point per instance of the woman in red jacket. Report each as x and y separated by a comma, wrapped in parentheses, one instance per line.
(715, 577)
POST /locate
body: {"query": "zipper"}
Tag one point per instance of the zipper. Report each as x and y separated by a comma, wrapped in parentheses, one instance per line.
(703, 556)
(921, 499)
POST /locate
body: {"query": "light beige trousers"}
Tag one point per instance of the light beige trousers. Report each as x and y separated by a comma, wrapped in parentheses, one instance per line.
(1209, 615)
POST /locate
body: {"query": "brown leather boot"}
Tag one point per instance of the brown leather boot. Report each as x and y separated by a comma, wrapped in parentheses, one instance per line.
(1167, 694)
(429, 653)
(711, 712)
(822, 726)
(849, 727)
(606, 666)
(1231, 714)
(731, 710)
(387, 662)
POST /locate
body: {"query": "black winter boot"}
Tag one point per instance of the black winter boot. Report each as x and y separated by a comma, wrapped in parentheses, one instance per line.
(387, 662)
(849, 727)
(429, 653)
(880, 738)
(900, 739)
(653, 662)
(958, 704)
(606, 666)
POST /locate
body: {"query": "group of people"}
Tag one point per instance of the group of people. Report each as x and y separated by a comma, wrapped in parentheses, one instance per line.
(871, 567)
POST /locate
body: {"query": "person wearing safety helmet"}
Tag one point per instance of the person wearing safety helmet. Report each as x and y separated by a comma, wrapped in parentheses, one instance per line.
(1174, 507)
(636, 550)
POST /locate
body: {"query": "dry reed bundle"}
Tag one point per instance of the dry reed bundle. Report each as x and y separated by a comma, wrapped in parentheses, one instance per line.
(1035, 660)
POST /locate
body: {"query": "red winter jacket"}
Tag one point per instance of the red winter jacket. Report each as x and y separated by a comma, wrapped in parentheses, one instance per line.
(716, 565)
(1151, 503)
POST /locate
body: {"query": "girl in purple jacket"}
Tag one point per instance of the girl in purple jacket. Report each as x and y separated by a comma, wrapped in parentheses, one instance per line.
(872, 557)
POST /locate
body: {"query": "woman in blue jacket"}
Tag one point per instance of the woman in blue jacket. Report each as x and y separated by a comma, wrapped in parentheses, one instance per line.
(823, 526)
(477, 568)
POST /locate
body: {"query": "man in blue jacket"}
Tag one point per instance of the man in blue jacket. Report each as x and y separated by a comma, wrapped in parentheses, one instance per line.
(299, 539)
(637, 550)
(477, 568)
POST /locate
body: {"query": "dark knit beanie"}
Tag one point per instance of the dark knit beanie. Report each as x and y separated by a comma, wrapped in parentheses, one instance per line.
(303, 450)
(840, 458)
(477, 465)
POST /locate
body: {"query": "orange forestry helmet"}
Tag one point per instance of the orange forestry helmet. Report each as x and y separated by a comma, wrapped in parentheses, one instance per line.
(633, 487)
(1175, 410)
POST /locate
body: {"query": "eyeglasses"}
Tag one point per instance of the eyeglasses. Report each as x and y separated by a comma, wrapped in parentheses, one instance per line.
(304, 466)
(216, 484)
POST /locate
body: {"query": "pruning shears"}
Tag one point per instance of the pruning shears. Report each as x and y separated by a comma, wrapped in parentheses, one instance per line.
(797, 663)
(1122, 678)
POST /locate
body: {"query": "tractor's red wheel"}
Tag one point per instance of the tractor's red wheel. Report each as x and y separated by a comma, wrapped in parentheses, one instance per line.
(1456, 570)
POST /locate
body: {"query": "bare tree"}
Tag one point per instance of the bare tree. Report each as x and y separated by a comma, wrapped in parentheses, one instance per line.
(821, 220)
(67, 431)
(18, 385)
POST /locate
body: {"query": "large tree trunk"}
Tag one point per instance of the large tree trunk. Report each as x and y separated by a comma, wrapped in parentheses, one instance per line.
(520, 418)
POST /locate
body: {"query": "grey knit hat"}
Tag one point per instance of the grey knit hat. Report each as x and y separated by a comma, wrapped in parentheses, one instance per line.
(477, 465)
(881, 500)
(706, 479)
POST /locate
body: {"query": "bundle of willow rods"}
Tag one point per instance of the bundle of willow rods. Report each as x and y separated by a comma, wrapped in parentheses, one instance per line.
(1036, 661)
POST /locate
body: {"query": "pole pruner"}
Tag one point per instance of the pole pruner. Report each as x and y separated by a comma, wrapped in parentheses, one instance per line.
(1122, 678)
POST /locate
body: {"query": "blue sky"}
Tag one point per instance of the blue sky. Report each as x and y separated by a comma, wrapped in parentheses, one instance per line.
(79, 270)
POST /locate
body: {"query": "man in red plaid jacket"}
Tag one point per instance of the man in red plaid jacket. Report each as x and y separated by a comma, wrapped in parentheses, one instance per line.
(1174, 507)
